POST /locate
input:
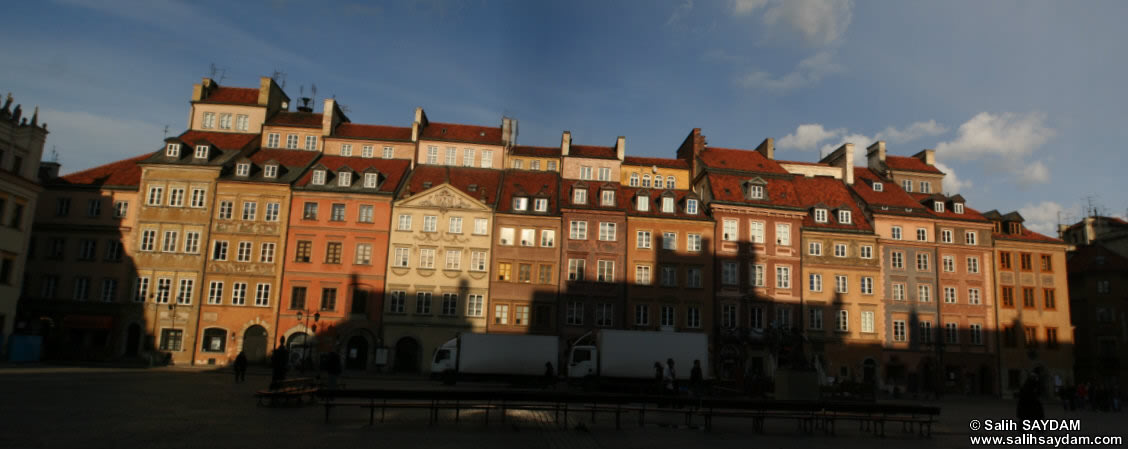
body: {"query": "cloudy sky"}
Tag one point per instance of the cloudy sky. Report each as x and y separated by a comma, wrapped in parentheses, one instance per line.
(1023, 101)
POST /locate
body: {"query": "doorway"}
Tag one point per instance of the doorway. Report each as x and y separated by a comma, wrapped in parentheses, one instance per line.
(356, 353)
(407, 355)
(254, 343)
(132, 340)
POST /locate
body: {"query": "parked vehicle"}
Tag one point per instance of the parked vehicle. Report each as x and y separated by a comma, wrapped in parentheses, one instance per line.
(630, 355)
(501, 356)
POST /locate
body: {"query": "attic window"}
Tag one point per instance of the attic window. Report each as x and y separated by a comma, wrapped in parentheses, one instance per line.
(520, 203)
(472, 187)
(344, 179)
(938, 206)
(820, 215)
(242, 169)
(426, 184)
(172, 150)
(201, 151)
(318, 177)
(370, 180)
(270, 171)
(1016, 228)
(643, 203)
(607, 197)
(541, 204)
(482, 134)
(755, 192)
(668, 204)
(844, 217)
(958, 208)
(691, 206)
(878, 187)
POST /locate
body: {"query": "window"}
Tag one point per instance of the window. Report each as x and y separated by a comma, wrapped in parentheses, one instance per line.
(842, 324)
(642, 274)
(607, 231)
(938, 206)
(949, 263)
(397, 302)
(371, 180)
(184, 296)
(1047, 263)
(121, 209)
(783, 277)
(262, 295)
(311, 143)
(1103, 286)
(544, 274)
(176, 197)
(669, 276)
(605, 271)
(454, 259)
(926, 187)
(973, 296)
(976, 331)
(170, 239)
(898, 292)
(191, 244)
(388, 152)
(972, 264)
(93, 208)
(755, 192)
(924, 293)
(1031, 336)
(404, 223)
(481, 225)
(667, 316)
(540, 204)
(671, 182)
(658, 180)
(899, 330)
(642, 203)
(604, 315)
(946, 236)
(550, 166)
(1051, 338)
(642, 315)
(292, 141)
(585, 173)
(693, 242)
(467, 157)
(633, 180)
(839, 250)
(574, 314)
(867, 285)
(576, 269)
(758, 275)
(318, 177)
(346, 149)
(950, 295)
(148, 240)
(907, 185)
(109, 286)
(427, 258)
(783, 317)
(172, 339)
(304, 251)
(693, 277)
(548, 238)
(115, 248)
(487, 162)
(728, 316)
(895, 233)
(755, 317)
(244, 252)
(730, 274)
(729, 230)
(242, 169)
(449, 305)
(922, 234)
(1007, 294)
(922, 261)
(783, 234)
(670, 241)
(691, 206)
(814, 282)
(1026, 262)
(164, 290)
(225, 210)
(604, 174)
(1050, 303)
(250, 210)
(242, 122)
(344, 179)
(224, 121)
(952, 333)
(452, 156)
(897, 259)
(970, 237)
(1028, 298)
(430, 223)
(520, 203)
(507, 236)
(1005, 260)
(88, 247)
(607, 197)
(219, 250)
(820, 215)
(272, 140)
(298, 298)
(198, 198)
(646, 180)
(215, 292)
(172, 150)
(692, 317)
(329, 298)
(844, 217)
(867, 321)
(474, 305)
(266, 253)
(958, 208)
(668, 204)
(926, 332)
(841, 284)
(643, 239)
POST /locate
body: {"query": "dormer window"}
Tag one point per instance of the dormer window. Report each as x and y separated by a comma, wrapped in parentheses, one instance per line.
(370, 180)
(643, 203)
(844, 217)
(201, 151)
(755, 192)
(242, 169)
(907, 185)
(318, 177)
(344, 179)
(520, 203)
(579, 196)
(878, 187)
(270, 171)
(958, 208)
(820, 215)
(691, 206)
(1016, 228)
(172, 150)
(668, 204)
(607, 197)
(937, 205)
(540, 204)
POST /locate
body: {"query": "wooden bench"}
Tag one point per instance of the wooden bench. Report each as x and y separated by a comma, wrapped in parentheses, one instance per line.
(286, 395)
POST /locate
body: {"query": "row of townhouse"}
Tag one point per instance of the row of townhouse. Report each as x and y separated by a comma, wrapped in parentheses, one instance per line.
(261, 226)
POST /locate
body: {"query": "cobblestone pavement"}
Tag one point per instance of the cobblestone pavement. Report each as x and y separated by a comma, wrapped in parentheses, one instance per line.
(76, 407)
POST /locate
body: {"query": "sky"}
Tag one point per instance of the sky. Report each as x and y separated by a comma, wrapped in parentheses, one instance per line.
(1023, 101)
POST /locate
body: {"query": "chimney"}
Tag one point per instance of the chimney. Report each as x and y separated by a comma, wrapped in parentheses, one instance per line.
(419, 123)
(508, 131)
(927, 156)
(201, 91)
(330, 116)
(621, 147)
(48, 170)
(693, 145)
(767, 148)
(843, 158)
(565, 143)
(875, 155)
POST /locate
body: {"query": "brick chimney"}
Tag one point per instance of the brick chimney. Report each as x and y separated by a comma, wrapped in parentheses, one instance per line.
(200, 92)
(508, 131)
(418, 124)
(621, 147)
(767, 148)
(843, 158)
(565, 143)
(927, 156)
(875, 156)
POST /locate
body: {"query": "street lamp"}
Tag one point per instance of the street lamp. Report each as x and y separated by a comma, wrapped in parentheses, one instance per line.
(303, 317)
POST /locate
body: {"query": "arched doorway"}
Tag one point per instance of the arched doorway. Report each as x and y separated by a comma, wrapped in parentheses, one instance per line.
(356, 353)
(407, 355)
(869, 372)
(132, 340)
(254, 343)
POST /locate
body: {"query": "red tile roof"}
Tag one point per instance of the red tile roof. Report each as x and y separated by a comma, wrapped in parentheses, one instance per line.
(287, 158)
(593, 151)
(833, 194)
(817, 164)
(925, 199)
(394, 169)
(376, 132)
(730, 188)
(121, 173)
(910, 164)
(1027, 236)
(744, 160)
(484, 180)
(629, 195)
(891, 195)
(462, 133)
(525, 150)
(224, 141)
(656, 161)
(1098, 219)
(1094, 258)
(529, 183)
(233, 95)
(295, 119)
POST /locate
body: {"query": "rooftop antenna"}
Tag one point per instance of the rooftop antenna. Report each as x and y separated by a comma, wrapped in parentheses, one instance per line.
(54, 154)
(213, 70)
(279, 77)
(166, 131)
(312, 92)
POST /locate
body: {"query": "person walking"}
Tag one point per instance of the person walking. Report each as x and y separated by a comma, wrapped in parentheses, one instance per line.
(671, 379)
(333, 368)
(1029, 400)
(659, 381)
(549, 376)
(240, 366)
(696, 378)
(279, 361)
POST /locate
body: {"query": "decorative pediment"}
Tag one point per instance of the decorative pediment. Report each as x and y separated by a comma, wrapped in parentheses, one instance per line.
(443, 197)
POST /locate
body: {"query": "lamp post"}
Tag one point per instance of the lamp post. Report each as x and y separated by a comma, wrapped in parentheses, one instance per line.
(303, 317)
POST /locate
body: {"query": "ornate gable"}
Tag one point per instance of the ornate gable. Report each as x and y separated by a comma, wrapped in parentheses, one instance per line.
(443, 197)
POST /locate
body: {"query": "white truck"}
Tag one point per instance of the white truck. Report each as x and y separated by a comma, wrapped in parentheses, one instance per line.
(471, 355)
(630, 355)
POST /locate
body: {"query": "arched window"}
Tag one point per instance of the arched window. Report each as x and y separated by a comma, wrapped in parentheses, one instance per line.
(646, 180)
(215, 340)
(658, 181)
(670, 182)
(634, 179)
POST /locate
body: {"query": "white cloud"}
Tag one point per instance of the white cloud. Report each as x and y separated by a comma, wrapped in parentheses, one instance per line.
(86, 140)
(1007, 134)
(807, 137)
(817, 22)
(681, 11)
(952, 182)
(1034, 173)
(809, 71)
(812, 135)
(911, 132)
(860, 141)
(1044, 217)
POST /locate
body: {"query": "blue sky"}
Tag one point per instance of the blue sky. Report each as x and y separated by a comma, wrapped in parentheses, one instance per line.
(1023, 101)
